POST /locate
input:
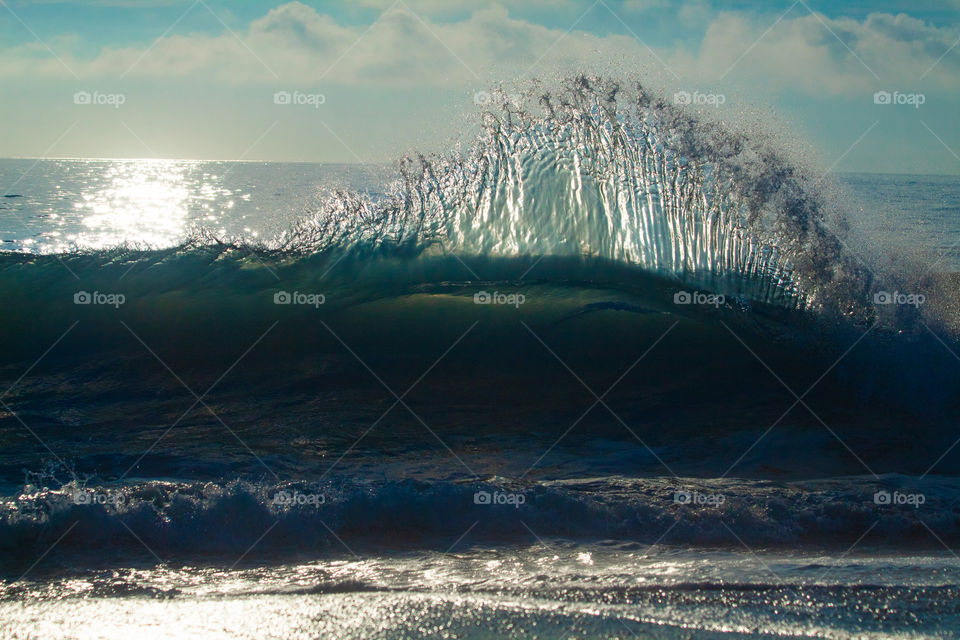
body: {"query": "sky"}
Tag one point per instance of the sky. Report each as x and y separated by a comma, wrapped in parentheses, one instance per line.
(868, 86)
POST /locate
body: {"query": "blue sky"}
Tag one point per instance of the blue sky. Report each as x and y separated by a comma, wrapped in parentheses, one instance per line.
(197, 79)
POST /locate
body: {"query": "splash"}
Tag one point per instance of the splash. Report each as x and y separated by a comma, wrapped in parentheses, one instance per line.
(592, 174)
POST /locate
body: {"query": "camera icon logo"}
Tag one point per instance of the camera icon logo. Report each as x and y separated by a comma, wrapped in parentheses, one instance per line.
(282, 297)
(82, 97)
(682, 497)
(82, 497)
(482, 98)
(882, 497)
(482, 497)
(482, 297)
(882, 97)
(682, 297)
(682, 97)
(82, 297)
(882, 297)
(282, 97)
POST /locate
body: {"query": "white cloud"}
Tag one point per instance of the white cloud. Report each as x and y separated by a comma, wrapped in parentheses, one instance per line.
(803, 52)
(132, 4)
(821, 56)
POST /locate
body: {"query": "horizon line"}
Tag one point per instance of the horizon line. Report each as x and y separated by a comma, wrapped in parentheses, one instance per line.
(357, 164)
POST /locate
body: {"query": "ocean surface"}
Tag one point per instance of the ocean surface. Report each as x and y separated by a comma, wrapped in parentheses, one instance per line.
(615, 372)
(63, 205)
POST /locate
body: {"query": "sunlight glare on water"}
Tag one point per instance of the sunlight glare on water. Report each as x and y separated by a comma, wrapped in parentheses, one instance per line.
(144, 202)
(57, 206)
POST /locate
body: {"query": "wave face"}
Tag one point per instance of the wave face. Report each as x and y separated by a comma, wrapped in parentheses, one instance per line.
(635, 181)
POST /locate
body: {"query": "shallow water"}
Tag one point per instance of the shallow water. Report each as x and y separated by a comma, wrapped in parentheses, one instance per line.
(545, 589)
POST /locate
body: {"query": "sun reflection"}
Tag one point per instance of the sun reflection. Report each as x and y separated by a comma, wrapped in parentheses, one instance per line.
(145, 203)
(98, 204)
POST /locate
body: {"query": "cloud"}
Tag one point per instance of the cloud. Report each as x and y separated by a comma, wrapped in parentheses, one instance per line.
(434, 7)
(294, 43)
(404, 47)
(816, 55)
(300, 45)
(130, 4)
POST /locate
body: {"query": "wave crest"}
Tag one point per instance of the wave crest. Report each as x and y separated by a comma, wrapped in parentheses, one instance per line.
(587, 173)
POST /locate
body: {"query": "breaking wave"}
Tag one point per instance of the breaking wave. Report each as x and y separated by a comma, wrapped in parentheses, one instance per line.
(599, 205)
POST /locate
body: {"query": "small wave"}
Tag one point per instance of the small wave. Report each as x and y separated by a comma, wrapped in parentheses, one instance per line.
(186, 521)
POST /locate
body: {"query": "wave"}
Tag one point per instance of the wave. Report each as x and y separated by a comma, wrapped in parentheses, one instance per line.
(596, 176)
(601, 227)
(202, 306)
(630, 180)
(217, 521)
(590, 174)
(595, 173)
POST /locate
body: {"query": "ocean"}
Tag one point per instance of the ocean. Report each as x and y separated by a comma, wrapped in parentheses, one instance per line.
(611, 373)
